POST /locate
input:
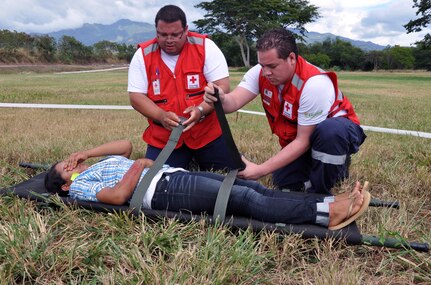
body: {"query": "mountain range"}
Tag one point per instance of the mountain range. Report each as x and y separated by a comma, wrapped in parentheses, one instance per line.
(131, 32)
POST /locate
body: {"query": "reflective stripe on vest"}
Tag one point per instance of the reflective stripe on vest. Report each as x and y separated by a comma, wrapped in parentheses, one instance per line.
(340, 95)
(297, 82)
(195, 40)
(151, 48)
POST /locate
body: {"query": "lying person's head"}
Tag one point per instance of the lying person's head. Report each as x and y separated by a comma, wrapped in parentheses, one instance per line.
(58, 179)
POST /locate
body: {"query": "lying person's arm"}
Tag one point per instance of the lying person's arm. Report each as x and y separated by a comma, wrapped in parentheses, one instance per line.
(121, 193)
(120, 147)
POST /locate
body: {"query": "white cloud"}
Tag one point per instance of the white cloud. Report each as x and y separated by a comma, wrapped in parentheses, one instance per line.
(47, 16)
(379, 21)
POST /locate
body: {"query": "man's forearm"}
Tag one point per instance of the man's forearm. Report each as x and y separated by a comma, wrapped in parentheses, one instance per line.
(292, 151)
(141, 103)
(286, 156)
(236, 99)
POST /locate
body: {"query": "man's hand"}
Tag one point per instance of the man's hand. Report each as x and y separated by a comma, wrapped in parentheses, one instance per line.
(195, 116)
(209, 94)
(252, 171)
(169, 120)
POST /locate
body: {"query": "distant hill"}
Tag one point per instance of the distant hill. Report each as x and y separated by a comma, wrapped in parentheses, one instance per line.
(312, 37)
(131, 32)
(122, 31)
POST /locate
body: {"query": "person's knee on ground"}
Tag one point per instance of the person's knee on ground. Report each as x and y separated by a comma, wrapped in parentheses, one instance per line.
(330, 155)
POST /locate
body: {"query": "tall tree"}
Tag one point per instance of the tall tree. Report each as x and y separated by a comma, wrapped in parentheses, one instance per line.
(372, 60)
(342, 54)
(231, 50)
(126, 52)
(424, 9)
(46, 48)
(105, 51)
(70, 50)
(422, 57)
(246, 20)
(400, 57)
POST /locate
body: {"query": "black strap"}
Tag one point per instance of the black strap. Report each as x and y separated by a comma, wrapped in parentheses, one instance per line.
(226, 187)
(139, 194)
(223, 195)
(236, 157)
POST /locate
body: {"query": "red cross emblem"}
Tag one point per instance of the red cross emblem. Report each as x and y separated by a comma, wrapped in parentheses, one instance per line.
(193, 81)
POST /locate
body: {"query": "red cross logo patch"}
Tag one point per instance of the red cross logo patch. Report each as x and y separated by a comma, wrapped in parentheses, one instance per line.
(287, 110)
(193, 81)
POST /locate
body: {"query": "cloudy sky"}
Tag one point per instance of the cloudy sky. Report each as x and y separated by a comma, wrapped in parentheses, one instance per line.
(378, 21)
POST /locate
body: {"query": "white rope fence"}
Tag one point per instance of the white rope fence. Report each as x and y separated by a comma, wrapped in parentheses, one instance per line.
(112, 107)
(93, 70)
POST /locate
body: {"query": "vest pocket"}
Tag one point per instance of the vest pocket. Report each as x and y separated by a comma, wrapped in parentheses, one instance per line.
(194, 99)
(195, 94)
(161, 101)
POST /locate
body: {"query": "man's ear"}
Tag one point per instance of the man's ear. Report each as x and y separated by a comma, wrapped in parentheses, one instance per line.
(292, 58)
(65, 187)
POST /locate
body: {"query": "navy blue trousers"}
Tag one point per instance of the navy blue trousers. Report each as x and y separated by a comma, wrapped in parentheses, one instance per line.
(213, 156)
(327, 161)
(197, 192)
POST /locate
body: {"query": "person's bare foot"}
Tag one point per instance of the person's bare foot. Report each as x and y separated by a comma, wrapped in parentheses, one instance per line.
(350, 194)
(341, 210)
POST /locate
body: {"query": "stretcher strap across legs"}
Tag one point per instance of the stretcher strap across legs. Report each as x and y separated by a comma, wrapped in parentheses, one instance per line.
(226, 187)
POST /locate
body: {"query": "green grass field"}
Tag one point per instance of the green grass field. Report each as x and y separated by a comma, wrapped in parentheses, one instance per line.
(44, 245)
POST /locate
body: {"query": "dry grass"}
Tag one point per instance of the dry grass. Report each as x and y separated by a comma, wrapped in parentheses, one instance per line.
(40, 245)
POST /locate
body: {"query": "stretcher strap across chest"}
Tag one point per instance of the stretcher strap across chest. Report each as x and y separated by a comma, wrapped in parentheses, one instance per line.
(225, 188)
(139, 194)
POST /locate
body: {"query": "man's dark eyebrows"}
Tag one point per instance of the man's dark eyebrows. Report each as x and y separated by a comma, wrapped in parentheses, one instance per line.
(171, 34)
(272, 65)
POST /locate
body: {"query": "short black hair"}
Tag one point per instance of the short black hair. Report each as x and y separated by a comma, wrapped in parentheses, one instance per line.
(281, 39)
(170, 14)
(53, 182)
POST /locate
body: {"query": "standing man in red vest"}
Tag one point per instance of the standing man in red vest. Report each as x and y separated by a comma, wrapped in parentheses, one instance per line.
(315, 123)
(167, 77)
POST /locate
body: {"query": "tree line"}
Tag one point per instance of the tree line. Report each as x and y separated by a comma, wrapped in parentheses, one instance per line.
(18, 47)
(341, 55)
(235, 25)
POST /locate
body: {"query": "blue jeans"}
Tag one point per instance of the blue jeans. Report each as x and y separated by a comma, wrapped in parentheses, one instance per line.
(197, 192)
(213, 156)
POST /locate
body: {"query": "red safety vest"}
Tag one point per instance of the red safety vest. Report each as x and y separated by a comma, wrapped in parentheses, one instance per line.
(283, 116)
(176, 91)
